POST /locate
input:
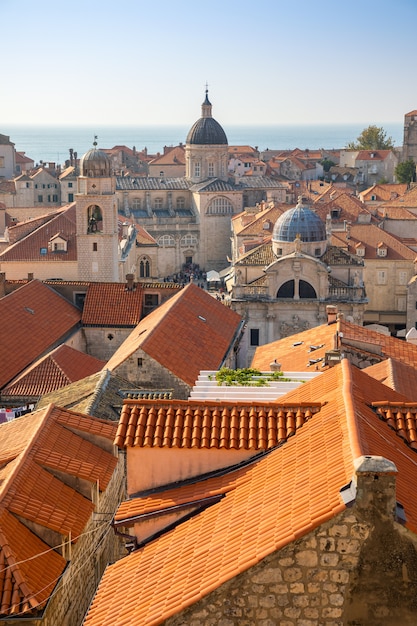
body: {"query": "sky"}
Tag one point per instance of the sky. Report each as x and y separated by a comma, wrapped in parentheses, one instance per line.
(147, 62)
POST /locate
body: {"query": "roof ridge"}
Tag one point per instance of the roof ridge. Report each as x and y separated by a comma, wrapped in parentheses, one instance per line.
(100, 386)
(351, 420)
(23, 455)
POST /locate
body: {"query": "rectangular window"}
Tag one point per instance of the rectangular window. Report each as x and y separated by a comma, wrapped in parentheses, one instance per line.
(401, 303)
(40, 198)
(254, 336)
(55, 198)
(211, 169)
(140, 362)
(70, 197)
(381, 277)
(197, 169)
(402, 278)
(95, 246)
(2, 161)
(70, 185)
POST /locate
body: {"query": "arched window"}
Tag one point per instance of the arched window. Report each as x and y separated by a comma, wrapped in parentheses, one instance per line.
(307, 290)
(286, 290)
(144, 267)
(94, 219)
(220, 206)
(166, 241)
(181, 202)
(189, 240)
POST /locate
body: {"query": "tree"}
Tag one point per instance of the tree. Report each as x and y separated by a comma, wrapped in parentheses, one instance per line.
(327, 164)
(372, 138)
(406, 171)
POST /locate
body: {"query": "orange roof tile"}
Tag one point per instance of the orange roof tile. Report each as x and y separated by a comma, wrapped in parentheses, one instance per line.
(35, 245)
(189, 332)
(33, 319)
(299, 352)
(34, 451)
(271, 501)
(55, 370)
(194, 424)
(112, 304)
(397, 375)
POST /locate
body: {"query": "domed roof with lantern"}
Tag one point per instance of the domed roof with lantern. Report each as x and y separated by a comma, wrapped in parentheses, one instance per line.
(206, 130)
(299, 222)
(95, 163)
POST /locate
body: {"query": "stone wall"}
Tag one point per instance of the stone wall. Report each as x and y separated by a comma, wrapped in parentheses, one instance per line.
(359, 569)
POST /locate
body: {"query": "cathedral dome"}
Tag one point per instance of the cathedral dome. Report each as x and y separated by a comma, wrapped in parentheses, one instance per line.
(95, 163)
(299, 222)
(206, 130)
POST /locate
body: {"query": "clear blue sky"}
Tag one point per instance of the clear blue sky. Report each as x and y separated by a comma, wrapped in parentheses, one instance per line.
(266, 62)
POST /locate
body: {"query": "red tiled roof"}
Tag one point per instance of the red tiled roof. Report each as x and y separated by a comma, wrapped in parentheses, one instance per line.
(194, 424)
(371, 236)
(30, 247)
(33, 319)
(112, 304)
(249, 513)
(295, 353)
(58, 368)
(34, 450)
(189, 332)
(397, 375)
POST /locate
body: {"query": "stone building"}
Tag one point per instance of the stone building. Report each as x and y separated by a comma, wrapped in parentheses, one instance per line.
(410, 137)
(189, 332)
(190, 216)
(306, 516)
(285, 285)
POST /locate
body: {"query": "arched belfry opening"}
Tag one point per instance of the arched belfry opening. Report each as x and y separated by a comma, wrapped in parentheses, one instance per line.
(94, 219)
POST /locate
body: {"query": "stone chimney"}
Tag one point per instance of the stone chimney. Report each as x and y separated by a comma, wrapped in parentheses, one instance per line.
(275, 366)
(376, 487)
(2, 284)
(130, 284)
(331, 312)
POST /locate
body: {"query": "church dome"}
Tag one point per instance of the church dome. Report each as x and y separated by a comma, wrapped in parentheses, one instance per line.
(95, 163)
(299, 222)
(206, 130)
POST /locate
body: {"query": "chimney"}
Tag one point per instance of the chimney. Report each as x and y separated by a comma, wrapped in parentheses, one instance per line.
(2, 284)
(331, 312)
(376, 488)
(130, 284)
(275, 366)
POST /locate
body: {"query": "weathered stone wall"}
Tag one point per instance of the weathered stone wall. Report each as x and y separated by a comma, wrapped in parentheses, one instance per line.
(146, 373)
(352, 571)
(102, 343)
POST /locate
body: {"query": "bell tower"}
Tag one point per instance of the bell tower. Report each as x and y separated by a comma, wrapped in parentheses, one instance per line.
(97, 224)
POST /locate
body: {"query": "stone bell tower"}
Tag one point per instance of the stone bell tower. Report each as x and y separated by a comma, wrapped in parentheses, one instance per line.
(97, 224)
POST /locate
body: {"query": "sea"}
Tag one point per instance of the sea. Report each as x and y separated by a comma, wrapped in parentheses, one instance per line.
(52, 143)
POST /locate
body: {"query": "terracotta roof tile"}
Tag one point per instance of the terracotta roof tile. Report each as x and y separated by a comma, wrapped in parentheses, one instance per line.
(370, 235)
(397, 375)
(298, 352)
(34, 451)
(189, 332)
(112, 304)
(31, 246)
(34, 318)
(193, 424)
(56, 369)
